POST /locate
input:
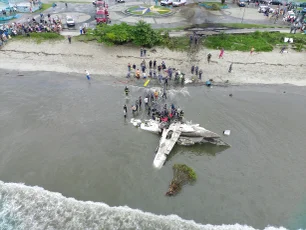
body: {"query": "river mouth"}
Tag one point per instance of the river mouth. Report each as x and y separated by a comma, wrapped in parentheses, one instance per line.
(66, 135)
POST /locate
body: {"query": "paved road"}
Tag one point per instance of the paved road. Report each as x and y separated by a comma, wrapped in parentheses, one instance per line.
(183, 17)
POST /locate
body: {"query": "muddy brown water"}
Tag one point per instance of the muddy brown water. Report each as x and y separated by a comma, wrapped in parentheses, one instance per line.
(61, 133)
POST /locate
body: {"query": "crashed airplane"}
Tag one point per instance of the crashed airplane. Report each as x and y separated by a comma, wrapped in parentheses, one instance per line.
(176, 132)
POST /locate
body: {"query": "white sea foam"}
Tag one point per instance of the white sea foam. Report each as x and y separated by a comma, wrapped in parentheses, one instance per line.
(24, 207)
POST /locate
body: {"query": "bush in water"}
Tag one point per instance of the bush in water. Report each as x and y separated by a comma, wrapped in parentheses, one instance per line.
(182, 174)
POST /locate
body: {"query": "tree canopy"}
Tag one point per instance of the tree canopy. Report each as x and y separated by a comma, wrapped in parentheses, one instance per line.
(140, 34)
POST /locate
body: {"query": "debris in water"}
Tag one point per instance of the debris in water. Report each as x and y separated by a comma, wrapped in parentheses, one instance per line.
(227, 132)
(182, 174)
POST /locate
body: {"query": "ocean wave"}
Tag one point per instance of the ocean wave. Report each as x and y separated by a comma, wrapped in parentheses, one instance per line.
(25, 207)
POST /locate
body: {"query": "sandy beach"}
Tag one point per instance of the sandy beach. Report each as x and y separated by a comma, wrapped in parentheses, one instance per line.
(103, 61)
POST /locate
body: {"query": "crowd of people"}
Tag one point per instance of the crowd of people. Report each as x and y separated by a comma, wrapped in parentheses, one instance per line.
(153, 108)
(8, 12)
(38, 25)
(159, 70)
(155, 70)
(163, 74)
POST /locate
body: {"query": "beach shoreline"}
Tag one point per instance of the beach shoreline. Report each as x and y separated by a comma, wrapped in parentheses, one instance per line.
(111, 62)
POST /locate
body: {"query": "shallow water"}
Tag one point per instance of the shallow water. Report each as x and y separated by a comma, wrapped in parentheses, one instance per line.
(68, 136)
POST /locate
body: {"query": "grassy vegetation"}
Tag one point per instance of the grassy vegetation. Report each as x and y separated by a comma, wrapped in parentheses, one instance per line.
(261, 41)
(219, 4)
(186, 170)
(228, 25)
(83, 2)
(88, 37)
(163, 30)
(160, 10)
(133, 8)
(247, 26)
(175, 43)
(213, 5)
(44, 6)
(124, 34)
(41, 37)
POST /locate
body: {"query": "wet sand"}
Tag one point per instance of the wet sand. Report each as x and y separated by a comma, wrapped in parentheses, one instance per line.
(111, 62)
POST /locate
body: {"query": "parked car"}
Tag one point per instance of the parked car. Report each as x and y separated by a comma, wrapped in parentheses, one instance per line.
(166, 2)
(275, 2)
(265, 2)
(241, 3)
(70, 21)
(98, 3)
(289, 16)
(303, 4)
(263, 9)
(179, 2)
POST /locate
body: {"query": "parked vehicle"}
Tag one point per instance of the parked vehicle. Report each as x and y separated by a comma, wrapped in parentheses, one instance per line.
(275, 2)
(179, 2)
(263, 9)
(241, 3)
(290, 16)
(120, 1)
(166, 2)
(70, 21)
(264, 2)
(98, 3)
(102, 16)
(303, 4)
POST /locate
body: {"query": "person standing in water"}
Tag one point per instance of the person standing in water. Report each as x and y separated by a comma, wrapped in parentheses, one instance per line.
(200, 74)
(136, 104)
(87, 75)
(126, 90)
(156, 94)
(140, 101)
(124, 111)
(146, 101)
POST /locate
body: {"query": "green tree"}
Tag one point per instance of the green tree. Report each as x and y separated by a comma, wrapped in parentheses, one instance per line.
(222, 2)
(114, 34)
(141, 34)
(144, 35)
